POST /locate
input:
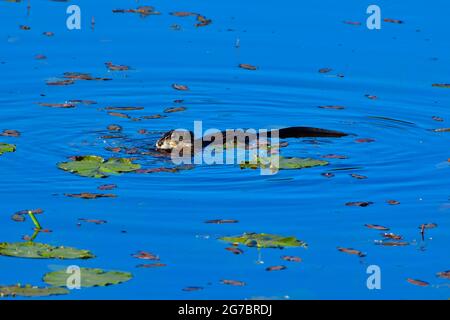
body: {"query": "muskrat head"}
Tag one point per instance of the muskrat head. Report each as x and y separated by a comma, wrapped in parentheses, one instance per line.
(175, 139)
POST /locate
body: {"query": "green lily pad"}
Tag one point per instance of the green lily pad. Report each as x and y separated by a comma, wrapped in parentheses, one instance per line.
(97, 167)
(6, 147)
(285, 163)
(89, 278)
(30, 291)
(35, 250)
(264, 240)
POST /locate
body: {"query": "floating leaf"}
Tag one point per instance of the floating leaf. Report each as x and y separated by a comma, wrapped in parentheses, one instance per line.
(248, 66)
(221, 221)
(151, 265)
(441, 85)
(97, 167)
(145, 256)
(393, 243)
(202, 21)
(444, 274)
(233, 283)
(291, 258)
(284, 163)
(142, 10)
(10, 133)
(30, 291)
(60, 82)
(107, 187)
(87, 195)
(364, 140)
(359, 204)
(180, 87)
(177, 109)
(191, 289)
(58, 105)
(428, 226)
(37, 250)
(89, 278)
(358, 176)
(94, 221)
(132, 108)
(442, 130)
(419, 283)
(325, 70)
(392, 236)
(393, 20)
(115, 67)
(236, 251)
(352, 251)
(332, 107)
(276, 268)
(263, 240)
(376, 227)
(6, 147)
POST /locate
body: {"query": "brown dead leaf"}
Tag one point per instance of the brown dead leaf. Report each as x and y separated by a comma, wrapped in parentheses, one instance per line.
(358, 176)
(376, 227)
(177, 109)
(119, 115)
(332, 107)
(291, 258)
(234, 250)
(180, 87)
(248, 67)
(444, 274)
(10, 133)
(221, 221)
(419, 283)
(359, 204)
(352, 251)
(115, 67)
(392, 20)
(144, 255)
(233, 283)
(276, 268)
(94, 221)
(364, 140)
(107, 187)
(89, 196)
(57, 105)
(60, 82)
(151, 265)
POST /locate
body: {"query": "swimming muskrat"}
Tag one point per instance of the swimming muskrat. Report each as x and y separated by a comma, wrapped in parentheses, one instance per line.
(171, 139)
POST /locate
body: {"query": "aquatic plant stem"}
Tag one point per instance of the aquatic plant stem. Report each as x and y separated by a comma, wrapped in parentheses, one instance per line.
(35, 221)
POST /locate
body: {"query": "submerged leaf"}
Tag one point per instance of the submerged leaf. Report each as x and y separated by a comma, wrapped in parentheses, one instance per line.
(97, 167)
(89, 278)
(263, 240)
(37, 250)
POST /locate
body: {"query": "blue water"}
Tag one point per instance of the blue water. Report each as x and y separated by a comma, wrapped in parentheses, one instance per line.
(164, 213)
